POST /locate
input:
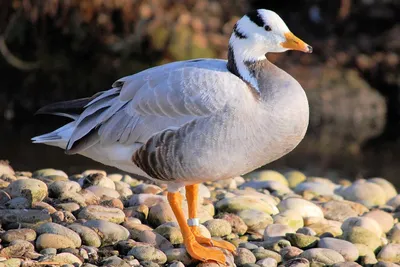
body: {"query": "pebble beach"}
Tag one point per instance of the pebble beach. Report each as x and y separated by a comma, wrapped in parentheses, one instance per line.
(94, 218)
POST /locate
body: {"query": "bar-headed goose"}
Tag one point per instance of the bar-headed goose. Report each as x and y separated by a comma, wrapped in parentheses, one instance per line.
(192, 121)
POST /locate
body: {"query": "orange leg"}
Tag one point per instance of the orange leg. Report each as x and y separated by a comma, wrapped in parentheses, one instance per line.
(195, 250)
(192, 192)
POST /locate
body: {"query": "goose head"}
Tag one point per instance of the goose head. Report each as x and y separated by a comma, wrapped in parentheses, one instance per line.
(254, 35)
(262, 31)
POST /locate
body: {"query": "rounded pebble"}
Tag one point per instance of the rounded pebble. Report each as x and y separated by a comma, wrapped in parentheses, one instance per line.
(32, 189)
(97, 212)
(218, 227)
(322, 255)
(345, 248)
(244, 256)
(303, 207)
(148, 253)
(110, 233)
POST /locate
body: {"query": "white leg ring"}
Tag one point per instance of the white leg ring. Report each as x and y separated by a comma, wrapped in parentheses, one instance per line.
(193, 222)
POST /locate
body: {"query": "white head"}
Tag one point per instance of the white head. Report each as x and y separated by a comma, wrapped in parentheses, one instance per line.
(257, 33)
(262, 31)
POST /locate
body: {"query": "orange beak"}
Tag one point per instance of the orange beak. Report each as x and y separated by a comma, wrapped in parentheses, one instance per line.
(294, 43)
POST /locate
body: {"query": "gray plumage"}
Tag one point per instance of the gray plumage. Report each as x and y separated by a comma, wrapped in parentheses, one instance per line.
(188, 122)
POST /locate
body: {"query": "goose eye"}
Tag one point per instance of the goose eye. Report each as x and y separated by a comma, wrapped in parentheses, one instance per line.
(267, 28)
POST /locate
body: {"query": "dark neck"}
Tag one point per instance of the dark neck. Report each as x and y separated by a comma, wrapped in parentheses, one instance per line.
(253, 67)
(231, 65)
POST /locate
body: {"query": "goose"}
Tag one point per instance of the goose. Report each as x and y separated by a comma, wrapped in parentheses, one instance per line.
(187, 122)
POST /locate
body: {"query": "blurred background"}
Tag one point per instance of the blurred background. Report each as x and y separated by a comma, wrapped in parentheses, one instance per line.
(65, 49)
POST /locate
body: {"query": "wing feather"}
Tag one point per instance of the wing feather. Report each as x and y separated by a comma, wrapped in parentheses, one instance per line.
(160, 98)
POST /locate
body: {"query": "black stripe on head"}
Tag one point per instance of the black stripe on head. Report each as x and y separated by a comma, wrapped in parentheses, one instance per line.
(255, 17)
(237, 33)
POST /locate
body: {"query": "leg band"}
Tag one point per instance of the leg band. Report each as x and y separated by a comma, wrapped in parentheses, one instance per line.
(193, 222)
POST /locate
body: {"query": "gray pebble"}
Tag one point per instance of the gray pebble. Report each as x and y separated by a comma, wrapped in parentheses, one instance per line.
(244, 256)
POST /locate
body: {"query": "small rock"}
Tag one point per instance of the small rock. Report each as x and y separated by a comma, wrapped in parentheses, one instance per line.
(294, 178)
(61, 188)
(322, 255)
(384, 219)
(18, 234)
(267, 262)
(267, 175)
(394, 201)
(244, 256)
(327, 227)
(273, 186)
(277, 230)
(345, 248)
(48, 172)
(155, 239)
(114, 261)
(136, 229)
(110, 233)
(177, 264)
(43, 206)
(367, 256)
(316, 188)
(394, 234)
(88, 236)
(161, 213)
(238, 203)
(19, 249)
(71, 206)
(66, 258)
(306, 231)
(140, 212)
(387, 187)
(48, 251)
(32, 189)
(238, 225)
(297, 262)
(262, 253)
(148, 253)
(218, 227)
(96, 179)
(364, 192)
(288, 253)
(362, 235)
(289, 217)
(146, 189)
(178, 254)
(123, 189)
(101, 192)
(18, 203)
(364, 222)
(53, 241)
(53, 228)
(146, 199)
(385, 264)
(346, 264)
(276, 244)
(97, 212)
(302, 241)
(171, 232)
(255, 220)
(124, 246)
(11, 262)
(303, 207)
(390, 253)
(340, 210)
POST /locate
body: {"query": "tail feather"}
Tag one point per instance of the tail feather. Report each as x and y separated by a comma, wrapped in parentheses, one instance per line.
(71, 109)
(82, 132)
(58, 137)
